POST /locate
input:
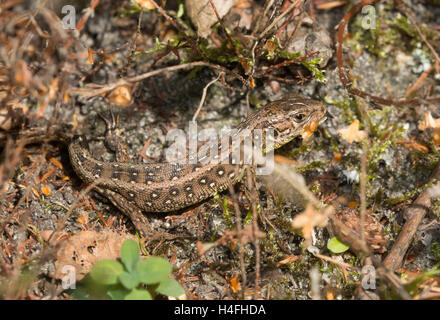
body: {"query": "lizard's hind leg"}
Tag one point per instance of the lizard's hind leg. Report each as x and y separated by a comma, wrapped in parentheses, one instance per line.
(139, 220)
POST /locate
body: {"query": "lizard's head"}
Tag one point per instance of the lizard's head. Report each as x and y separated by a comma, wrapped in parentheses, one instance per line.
(289, 117)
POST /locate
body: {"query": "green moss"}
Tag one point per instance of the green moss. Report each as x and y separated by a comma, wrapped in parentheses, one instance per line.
(249, 216)
(435, 249)
(226, 214)
(220, 55)
(378, 40)
(298, 151)
(284, 223)
(311, 64)
(312, 165)
(435, 207)
(347, 114)
(385, 135)
(271, 249)
(407, 196)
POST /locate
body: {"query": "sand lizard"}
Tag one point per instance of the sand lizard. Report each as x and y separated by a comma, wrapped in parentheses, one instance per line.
(165, 187)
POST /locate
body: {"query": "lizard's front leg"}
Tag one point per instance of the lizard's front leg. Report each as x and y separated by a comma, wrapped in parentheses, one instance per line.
(114, 142)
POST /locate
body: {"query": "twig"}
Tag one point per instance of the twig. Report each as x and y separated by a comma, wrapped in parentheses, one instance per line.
(202, 100)
(224, 29)
(287, 22)
(88, 92)
(62, 222)
(267, 5)
(336, 262)
(130, 58)
(250, 173)
(240, 245)
(419, 81)
(363, 174)
(278, 19)
(416, 213)
(286, 63)
(363, 190)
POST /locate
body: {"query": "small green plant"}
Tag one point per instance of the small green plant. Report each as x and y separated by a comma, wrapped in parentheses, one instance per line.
(131, 279)
(336, 246)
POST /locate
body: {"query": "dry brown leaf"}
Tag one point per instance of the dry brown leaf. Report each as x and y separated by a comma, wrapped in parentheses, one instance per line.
(121, 96)
(84, 249)
(308, 220)
(146, 4)
(203, 247)
(22, 74)
(203, 16)
(329, 5)
(90, 56)
(45, 189)
(279, 159)
(352, 132)
(56, 163)
(430, 122)
(337, 157)
(235, 285)
(289, 260)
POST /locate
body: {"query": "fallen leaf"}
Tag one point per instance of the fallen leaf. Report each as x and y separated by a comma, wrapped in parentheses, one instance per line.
(121, 96)
(90, 56)
(235, 285)
(146, 4)
(289, 260)
(279, 159)
(46, 190)
(337, 157)
(22, 74)
(308, 220)
(203, 16)
(352, 204)
(352, 132)
(81, 251)
(430, 122)
(56, 163)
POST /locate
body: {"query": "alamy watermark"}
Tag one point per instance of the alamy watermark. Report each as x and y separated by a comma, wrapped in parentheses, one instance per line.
(368, 277)
(231, 146)
(69, 279)
(69, 18)
(369, 17)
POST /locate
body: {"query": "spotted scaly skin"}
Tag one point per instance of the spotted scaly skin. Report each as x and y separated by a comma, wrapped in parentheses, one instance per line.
(165, 187)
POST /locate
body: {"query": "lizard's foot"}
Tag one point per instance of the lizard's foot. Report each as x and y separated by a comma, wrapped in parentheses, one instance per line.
(113, 140)
(139, 220)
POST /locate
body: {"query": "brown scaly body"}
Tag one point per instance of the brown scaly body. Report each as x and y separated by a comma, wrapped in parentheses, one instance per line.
(164, 187)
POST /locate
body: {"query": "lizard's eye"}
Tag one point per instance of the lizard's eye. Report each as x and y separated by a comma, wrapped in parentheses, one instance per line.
(300, 117)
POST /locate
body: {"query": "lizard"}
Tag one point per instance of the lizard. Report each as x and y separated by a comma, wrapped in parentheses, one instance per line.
(135, 188)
